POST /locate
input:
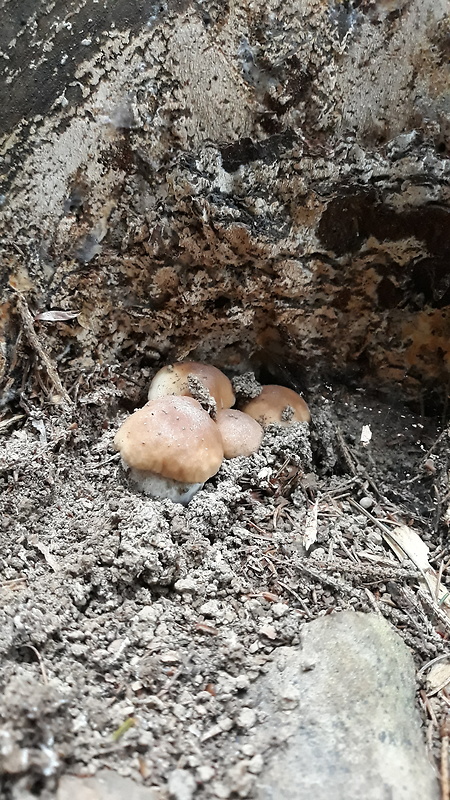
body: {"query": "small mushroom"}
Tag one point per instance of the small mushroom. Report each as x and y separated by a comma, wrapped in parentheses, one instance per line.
(279, 405)
(174, 379)
(170, 447)
(241, 435)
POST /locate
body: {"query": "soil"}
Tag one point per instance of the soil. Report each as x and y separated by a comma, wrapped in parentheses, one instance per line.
(131, 629)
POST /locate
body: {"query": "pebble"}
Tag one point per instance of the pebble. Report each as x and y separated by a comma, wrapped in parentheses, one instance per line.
(279, 610)
(205, 773)
(366, 502)
(186, 585)
(240, 779)
(242, 682)
(181, 785)
(211, 609)
(246, 718)
(256, 764)
(220, 790)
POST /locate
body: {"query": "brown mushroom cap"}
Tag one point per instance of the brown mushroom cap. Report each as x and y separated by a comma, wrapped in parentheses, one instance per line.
(241, 435)
(173, 380)
(269, 406)
(172, 437)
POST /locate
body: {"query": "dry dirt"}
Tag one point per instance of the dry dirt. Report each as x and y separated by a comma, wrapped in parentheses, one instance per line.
(130, 630)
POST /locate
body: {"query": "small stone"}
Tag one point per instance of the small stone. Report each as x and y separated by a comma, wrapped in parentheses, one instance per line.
(170, 657)
(256, 764)
(148, 614)
(318, 554)
(186, 586)
(246, 718)
(366, 502)
(240, 779)
(211, 609)
(279, 610)
(220, 790)
(179, 711)
(225, 724)
(205, 773)
(242, 682)
(78, 650)
(13, 759)
(181, 784)
(203, 696)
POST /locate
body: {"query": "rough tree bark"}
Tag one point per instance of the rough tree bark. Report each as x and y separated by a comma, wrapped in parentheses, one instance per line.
(263, 180)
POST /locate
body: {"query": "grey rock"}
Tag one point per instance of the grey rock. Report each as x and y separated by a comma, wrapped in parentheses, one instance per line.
(105, 785)
(341, 709)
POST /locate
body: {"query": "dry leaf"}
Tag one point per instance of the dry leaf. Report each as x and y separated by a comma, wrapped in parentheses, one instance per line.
(269, 631)
(56, 316)
(49, 558)
(5, 423)
(438, 678)
(310, 532)
(406, 542)
(366, 435)
(20, 280)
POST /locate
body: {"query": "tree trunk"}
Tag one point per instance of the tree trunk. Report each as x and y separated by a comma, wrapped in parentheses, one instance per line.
(243, 182)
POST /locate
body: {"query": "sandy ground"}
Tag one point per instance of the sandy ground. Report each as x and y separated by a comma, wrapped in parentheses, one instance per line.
(131, 630)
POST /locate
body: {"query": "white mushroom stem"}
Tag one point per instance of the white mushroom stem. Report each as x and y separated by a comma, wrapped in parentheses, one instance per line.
(160, 488)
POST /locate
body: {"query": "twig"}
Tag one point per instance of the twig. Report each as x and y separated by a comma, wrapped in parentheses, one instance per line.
(249, 535)
(429, 601)
(351, 460)
(297, 597)
(27, 322)
(327, 580)
(429, 664)
(445, 432)
(5, 423)
(115, 457)
(363, 571)
(428, 707)
(439, 580)
(41, 663)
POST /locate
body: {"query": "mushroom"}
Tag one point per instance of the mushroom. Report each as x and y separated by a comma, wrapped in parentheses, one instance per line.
(241, 435)
(279, 405)
(174, 379)
(170, 447)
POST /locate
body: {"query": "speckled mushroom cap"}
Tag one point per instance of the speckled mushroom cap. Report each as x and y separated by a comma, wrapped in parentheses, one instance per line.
(273, 402)
(172, 437)
(173, 379)
(241, 435)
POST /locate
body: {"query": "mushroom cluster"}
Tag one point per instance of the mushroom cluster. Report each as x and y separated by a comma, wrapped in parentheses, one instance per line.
(178, 440)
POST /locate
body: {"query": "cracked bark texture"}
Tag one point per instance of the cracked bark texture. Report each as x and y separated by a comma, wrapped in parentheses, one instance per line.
(243, 182)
